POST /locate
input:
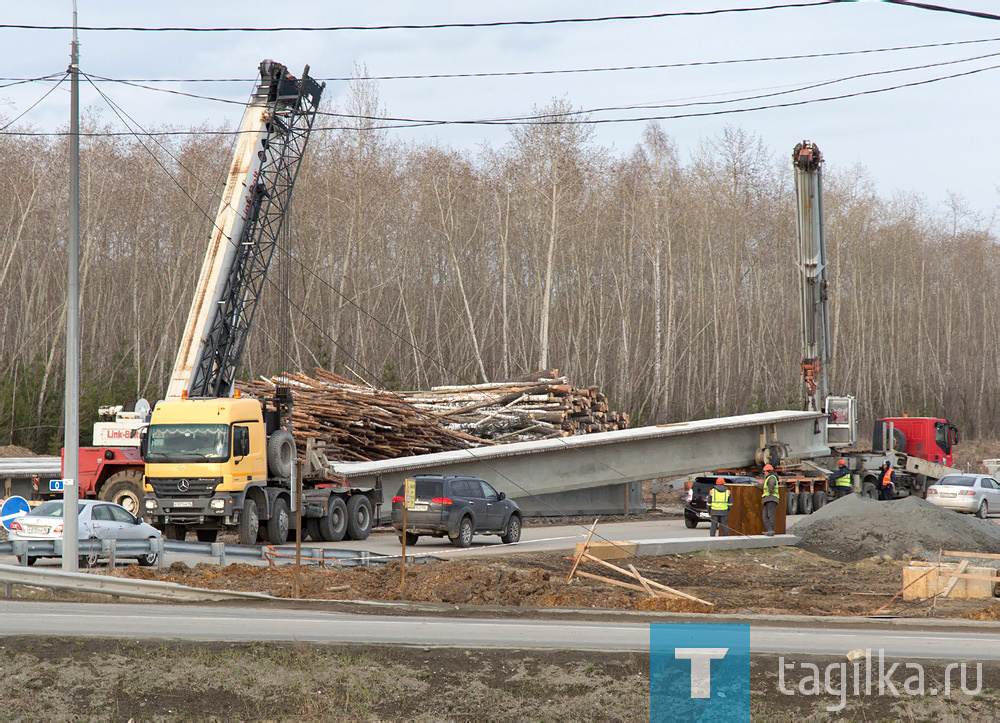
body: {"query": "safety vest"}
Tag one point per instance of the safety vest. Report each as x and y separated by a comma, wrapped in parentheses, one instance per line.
(770, 488)
(887, 478)
(719, 499)
(844, 480)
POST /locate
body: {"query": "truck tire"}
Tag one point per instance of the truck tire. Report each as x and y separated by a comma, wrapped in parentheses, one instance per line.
(310, 528)
(278, 522)
(869, 490)
(249, 523)
(805, 502)
(206, 535)
(819, 499)
(281, 454)
(177, 532)
(411, 538)
(791, 503)
(359, 517)
(124, 488)
(333, 525)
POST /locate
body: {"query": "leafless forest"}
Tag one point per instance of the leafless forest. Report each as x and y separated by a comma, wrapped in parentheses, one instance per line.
(665, 275)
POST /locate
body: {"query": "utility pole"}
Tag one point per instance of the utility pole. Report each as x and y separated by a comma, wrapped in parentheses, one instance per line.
(71, 441)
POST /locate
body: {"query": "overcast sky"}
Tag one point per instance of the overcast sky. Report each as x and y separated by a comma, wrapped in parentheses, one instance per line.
(931, 139)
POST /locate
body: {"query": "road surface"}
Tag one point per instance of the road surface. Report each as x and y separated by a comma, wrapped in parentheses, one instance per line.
(202, 623)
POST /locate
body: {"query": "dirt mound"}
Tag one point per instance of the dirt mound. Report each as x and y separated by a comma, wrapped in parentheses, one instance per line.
(12, 450)
(856, 527)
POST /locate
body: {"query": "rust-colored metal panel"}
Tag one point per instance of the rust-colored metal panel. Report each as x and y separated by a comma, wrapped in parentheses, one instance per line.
(746, 517)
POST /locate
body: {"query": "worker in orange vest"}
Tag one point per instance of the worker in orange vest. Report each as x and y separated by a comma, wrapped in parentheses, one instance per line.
(719, 501)
(887, 482)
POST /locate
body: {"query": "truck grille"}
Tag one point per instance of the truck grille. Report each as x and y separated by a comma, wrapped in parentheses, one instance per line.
(184, 486)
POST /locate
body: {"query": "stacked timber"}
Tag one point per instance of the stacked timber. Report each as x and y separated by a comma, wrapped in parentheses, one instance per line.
(356, 423)
(542, 405)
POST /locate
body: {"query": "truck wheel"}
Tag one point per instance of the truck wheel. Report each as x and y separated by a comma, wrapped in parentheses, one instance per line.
(207, 535)
(690, 522)
(791, 503)
(177, 532)
(868, 490)
(281, 454)
(359, 517)
(819, 499)
(277, 523)
(249, 523)
(411, 538)
(311, 529)
(805, 502)
(333, 525)
(124, 488)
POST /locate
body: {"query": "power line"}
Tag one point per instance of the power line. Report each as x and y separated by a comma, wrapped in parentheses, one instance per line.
(943, 9)
(431, 26)
(32, 106)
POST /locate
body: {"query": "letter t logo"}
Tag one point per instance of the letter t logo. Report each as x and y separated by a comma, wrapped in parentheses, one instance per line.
(701, 667)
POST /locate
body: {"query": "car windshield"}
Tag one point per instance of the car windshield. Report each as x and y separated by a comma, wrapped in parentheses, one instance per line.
(187, 443)
(956, 481)
(52, 508)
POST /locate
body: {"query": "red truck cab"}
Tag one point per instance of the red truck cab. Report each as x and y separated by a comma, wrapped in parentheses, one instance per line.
(926, 438)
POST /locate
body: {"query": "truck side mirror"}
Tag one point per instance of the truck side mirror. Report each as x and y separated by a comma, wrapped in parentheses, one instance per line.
(143, 441)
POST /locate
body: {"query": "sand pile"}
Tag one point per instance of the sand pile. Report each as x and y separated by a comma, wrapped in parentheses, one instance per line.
(856, 527)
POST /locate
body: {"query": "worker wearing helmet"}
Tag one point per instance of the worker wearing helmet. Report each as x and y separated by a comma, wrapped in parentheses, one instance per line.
(840, 481)
(887, 482)
(769, 499)
(719, 501)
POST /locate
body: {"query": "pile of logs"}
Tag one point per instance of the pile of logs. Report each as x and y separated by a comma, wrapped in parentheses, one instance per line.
(536, 406)
(356, 423)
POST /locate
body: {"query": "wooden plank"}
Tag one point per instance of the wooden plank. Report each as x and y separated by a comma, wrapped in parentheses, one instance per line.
(952, 580)
(582, 551)
(972, 576)
(616, 550)
(657, 585)
(610, 581)
(642, 581)
(980, 555)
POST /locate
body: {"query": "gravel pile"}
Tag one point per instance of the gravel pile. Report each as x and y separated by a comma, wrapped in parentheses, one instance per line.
(856, 527)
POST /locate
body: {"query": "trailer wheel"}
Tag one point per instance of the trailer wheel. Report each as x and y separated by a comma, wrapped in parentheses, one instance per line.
(791, 503)
(819, 499)
(278, 522)
(805, 502)
(333, 525)
(249, 523)
(868, 490)
(124, 488)
(177, 532)
(311, 529)
(359, 517)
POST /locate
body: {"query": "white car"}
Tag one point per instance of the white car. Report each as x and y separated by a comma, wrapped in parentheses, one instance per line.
(97, 521)
(978, 494)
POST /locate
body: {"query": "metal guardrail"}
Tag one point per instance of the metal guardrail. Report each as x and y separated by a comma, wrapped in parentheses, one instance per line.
(112, 549)
(28, 466)
(11, 575)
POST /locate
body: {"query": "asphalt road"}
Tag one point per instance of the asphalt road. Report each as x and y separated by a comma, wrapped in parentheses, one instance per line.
(200, 623)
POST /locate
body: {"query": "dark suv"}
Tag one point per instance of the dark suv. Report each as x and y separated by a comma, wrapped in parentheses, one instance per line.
(458, 507)
(696, 507)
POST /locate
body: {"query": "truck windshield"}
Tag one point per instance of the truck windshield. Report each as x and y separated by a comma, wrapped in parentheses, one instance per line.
(188, 443)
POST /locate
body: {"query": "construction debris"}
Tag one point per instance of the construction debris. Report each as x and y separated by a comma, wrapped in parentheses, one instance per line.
(535, 406)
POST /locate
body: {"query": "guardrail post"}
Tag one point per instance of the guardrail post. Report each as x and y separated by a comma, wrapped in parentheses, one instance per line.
(57, 548)
(20, 550)
(316, 552)
(108, 547)
(158, 543)
(10, 589)
(219, 550)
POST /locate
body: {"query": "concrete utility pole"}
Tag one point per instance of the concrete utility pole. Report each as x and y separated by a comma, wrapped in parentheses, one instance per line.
(71, 441)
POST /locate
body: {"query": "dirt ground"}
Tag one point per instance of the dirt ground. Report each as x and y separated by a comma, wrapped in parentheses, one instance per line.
(124, 680)
(766, 581)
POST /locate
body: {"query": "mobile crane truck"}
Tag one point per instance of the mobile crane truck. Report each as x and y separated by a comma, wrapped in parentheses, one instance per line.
(215, 458)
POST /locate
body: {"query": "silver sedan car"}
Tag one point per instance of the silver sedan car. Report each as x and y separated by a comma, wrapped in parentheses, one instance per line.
(97, 521)
(977, 494)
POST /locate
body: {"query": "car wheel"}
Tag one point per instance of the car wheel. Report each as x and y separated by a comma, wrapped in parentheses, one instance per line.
(359, 517)
(411, 538)
(152, 558)
(984, 510)
(249, 523)
(690, 522)
(90, 559)
(513, 533)
(805, 502)
(176, 532)
(464, 536)
(278, 523)
(333, 525)
(207, 535)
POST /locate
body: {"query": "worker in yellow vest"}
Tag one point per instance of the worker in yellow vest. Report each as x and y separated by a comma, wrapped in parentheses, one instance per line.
(719, 501)
(769, 499)
(841, 479)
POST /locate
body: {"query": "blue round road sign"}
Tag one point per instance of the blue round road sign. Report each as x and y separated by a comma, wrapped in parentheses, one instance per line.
(13, 508)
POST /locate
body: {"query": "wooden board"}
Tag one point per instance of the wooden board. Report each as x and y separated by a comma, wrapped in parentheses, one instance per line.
(609, 550)
(974, 582)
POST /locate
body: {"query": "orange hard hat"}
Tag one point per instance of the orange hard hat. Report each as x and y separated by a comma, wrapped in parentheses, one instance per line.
(720, 481)
(842, 461)
(768, 468)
